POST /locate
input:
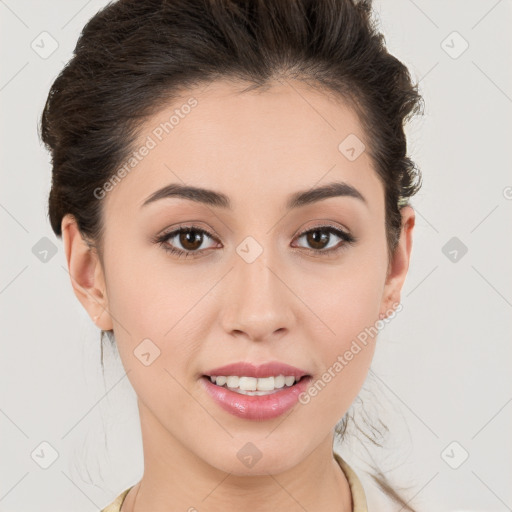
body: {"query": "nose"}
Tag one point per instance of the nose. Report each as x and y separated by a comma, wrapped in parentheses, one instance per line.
(258, 303)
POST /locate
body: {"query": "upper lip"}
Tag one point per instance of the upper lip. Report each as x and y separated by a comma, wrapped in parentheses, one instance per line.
(247, 369)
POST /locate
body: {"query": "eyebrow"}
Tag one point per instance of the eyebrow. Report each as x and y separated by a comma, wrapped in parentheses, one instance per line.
(220, 200)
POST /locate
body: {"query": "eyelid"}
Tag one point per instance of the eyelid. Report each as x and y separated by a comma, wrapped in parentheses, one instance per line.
(173, 230)
(163, 236)
(324, 224)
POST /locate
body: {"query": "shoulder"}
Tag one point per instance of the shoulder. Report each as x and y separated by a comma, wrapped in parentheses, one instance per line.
(115, 506)
(356, 487)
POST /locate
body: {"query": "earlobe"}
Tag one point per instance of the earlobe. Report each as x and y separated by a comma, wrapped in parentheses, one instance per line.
(399, 265)
(86, 273)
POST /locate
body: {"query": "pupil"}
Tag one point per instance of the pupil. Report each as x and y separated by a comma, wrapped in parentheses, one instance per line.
(190, 237)
(314, 240)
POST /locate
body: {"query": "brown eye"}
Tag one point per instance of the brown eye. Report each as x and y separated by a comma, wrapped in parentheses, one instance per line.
(190, 239)
(319, 238)
(185, 241)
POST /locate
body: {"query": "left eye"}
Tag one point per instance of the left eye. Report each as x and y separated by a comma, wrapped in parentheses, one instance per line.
(319, 238)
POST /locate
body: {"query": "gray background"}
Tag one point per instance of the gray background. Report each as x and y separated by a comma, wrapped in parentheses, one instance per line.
(441, 377)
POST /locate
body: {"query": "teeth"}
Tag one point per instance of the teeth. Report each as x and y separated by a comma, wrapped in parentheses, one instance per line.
(232, 382)
(279, 381)
(253, 384)
(220, 380)
(289, 381)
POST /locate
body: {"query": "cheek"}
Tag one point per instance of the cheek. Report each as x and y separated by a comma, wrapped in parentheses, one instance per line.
(146, 295)
(155, 308)
(347, 298)
(347, 305)
(150, 316)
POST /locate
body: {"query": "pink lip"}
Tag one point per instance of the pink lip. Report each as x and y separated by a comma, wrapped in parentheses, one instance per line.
(256, 407)
(246, 369)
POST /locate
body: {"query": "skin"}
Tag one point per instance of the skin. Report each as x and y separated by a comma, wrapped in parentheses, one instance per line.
(288, 305)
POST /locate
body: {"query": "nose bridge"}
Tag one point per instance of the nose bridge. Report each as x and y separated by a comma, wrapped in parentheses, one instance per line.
(257, 302)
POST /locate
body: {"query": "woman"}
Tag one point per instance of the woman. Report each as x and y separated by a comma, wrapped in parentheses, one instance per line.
(231, 184)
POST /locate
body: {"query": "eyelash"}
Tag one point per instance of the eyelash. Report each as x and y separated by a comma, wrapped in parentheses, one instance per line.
(162, 240)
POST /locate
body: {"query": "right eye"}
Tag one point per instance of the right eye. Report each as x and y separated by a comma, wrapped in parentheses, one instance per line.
(189, 237)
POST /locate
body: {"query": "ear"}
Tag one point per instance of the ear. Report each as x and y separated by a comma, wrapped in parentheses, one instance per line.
(399, 264)
(86, 273)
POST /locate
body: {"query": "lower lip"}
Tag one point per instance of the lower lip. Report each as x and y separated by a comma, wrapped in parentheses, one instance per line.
(256, 407)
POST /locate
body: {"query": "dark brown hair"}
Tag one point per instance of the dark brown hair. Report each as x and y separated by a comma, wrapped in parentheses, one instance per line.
(133, 57)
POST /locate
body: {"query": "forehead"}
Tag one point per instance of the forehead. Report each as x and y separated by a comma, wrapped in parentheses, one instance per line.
(263, 142)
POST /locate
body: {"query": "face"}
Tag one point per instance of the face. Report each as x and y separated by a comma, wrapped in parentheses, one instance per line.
(255, 279)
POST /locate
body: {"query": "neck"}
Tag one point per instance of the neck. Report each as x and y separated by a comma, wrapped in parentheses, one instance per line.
(177, 479)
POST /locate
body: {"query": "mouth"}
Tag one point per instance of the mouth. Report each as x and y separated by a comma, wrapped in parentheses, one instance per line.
(252, 386)
(255, 398)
